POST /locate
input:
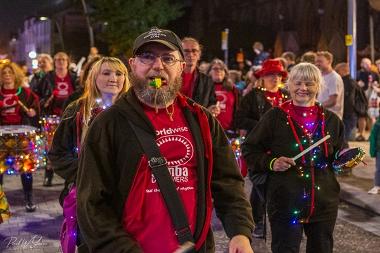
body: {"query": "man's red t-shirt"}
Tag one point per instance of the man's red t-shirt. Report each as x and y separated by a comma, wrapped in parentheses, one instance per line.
(146, 217)
(226, 99)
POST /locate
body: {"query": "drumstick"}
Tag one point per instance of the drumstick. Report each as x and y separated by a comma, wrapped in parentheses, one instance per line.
(311, 147)
(26, 109)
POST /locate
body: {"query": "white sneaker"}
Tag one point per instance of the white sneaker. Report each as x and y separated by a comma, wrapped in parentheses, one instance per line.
(374, 190)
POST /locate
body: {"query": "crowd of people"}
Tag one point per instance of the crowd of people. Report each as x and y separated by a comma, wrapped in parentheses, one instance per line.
(145, 150)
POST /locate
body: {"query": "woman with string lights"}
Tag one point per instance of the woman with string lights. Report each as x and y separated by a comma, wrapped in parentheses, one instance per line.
(107, 80)
(302, 192)
(259, 100)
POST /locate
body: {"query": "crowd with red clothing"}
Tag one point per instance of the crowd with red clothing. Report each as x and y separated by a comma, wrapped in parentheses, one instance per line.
(187, 109)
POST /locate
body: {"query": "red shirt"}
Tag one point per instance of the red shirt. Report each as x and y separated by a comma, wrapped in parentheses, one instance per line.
(147, 219)
(11, 114)
(275, 98)
(306, 117)
(62, 90)
(226, 99)
(187, 84)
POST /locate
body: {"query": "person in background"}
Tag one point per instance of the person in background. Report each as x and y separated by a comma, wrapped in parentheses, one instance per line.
(12, 94)
(120, 205)
(45, 65)
(259, 55)
(290, 59)
(350, 118)
(309, 56)
(195, 84)
(332, 93)
(82, 80)
(227, 96)
(107, 80)
(56, 88)
(365, 77)
(302, 194)
(253, 106)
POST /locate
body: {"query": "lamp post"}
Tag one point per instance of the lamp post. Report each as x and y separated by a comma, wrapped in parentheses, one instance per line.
(351, 37)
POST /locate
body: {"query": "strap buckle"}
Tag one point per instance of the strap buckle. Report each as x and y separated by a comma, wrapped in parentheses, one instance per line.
(155, 162)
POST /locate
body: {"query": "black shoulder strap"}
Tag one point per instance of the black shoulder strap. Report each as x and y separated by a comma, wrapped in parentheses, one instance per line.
(158, 164)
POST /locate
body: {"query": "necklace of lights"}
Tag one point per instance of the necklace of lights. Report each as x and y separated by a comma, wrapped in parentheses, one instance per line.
(271, 100)
(287, 107)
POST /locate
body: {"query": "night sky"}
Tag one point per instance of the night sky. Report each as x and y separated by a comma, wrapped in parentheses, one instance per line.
(12, 15)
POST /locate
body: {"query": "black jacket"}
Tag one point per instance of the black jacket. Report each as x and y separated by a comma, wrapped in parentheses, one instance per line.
(251, 110)
(204, 89)
(108, 163)
(272, 137)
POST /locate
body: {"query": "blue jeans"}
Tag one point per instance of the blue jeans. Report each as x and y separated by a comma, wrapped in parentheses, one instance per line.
(377, 171)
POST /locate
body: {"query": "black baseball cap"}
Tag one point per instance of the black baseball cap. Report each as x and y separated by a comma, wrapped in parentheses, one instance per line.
(165, 37)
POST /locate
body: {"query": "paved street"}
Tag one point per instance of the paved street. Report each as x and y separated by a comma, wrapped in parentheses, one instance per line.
(356, 229)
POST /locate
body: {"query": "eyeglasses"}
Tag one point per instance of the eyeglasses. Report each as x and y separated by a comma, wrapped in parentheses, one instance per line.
(188, 51)
(149, 59)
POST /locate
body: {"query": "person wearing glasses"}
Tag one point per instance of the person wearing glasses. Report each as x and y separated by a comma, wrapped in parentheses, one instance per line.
(120, 205)
(302, 193)
(195, 84)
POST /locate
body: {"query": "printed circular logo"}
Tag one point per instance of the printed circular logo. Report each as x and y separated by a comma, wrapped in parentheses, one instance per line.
(181, 146)
(9, 100)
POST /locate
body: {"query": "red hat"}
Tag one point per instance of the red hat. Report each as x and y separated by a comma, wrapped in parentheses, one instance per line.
(271, 67)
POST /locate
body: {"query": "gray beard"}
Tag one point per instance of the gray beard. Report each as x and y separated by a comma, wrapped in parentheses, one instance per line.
(157, 98)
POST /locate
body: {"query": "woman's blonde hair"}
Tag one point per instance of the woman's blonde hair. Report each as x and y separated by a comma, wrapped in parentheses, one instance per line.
(19, 75)
(306, 72)
(91, 91)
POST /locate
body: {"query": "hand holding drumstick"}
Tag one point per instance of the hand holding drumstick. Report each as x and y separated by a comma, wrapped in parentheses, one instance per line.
(29, 111)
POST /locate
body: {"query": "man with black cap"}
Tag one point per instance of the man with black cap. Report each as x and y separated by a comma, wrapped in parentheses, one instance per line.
(153, 133)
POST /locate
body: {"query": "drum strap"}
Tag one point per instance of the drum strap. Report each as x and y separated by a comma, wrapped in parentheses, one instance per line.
(158, 165)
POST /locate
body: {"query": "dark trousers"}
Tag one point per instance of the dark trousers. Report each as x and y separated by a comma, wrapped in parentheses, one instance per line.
(258, 203)
(286, 237)
(26, 181)
(349, 122)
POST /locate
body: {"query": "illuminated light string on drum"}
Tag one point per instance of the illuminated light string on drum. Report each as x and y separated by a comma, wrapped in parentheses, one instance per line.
(17, 150)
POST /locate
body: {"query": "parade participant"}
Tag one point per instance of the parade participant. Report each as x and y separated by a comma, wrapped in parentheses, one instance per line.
(331, 94)
(82, 79)
(57, 86)
(251, 109)
(227, 95)
(45, 65)
(290, 58)
(121, 208)
(107, 80)
(19, 106)
(302, 194)
(195, 84)
(309, 56)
